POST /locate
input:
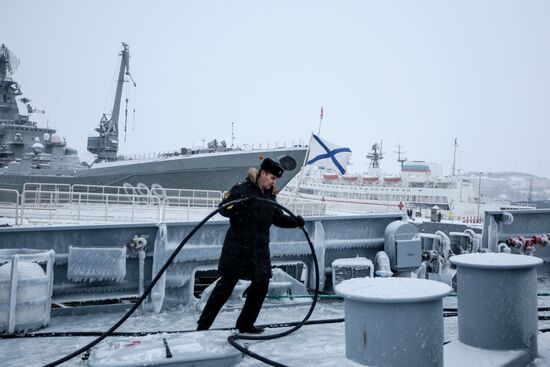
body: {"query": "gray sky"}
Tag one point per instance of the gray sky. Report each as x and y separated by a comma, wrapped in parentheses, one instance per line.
(419, 73)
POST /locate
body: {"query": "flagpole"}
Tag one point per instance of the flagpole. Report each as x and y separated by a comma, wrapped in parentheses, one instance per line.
(303, 167)
(320, 120)
(300, 178)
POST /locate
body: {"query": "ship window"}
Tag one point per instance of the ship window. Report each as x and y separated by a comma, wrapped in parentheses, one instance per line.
(5, 98)
(288, 163)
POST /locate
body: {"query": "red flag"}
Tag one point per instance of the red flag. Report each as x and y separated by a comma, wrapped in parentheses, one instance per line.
(321, 113)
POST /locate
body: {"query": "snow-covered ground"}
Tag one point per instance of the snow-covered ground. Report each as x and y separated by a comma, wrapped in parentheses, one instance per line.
(313, 345)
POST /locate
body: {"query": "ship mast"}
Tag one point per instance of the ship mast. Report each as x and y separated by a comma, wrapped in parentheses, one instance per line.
(400, 155)
(105, 146)
(8, 63)
(455, 145)
(9, 90)
(375, 156)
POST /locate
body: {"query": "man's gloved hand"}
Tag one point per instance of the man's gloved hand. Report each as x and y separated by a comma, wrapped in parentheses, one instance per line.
(300, 221)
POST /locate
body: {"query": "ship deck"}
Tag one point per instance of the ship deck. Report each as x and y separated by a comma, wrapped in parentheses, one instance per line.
(312, 345)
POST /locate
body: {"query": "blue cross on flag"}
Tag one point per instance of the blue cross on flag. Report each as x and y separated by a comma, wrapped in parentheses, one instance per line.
(325, 154)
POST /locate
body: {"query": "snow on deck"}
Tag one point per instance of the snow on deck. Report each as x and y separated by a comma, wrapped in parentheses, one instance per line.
(313, 345)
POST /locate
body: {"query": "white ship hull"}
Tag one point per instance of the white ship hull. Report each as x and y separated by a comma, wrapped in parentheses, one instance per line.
(453, 202)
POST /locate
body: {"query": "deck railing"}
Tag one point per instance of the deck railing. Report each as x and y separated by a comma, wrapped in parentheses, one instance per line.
(62, 203)
(10, 201)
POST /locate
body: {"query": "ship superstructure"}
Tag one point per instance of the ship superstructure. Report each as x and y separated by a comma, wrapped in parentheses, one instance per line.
(24, 146)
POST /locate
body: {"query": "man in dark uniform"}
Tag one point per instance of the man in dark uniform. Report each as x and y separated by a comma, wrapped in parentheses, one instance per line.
(245, 252)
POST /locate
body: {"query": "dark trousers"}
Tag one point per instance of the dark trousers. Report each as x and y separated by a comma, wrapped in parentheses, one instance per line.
(223, 289)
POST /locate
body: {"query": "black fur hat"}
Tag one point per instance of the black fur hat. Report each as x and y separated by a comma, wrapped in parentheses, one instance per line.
(273, 167)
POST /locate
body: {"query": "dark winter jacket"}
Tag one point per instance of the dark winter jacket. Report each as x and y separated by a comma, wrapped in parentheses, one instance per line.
(245, 252)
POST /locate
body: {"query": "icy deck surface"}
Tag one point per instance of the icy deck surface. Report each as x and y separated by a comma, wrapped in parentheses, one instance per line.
(315, 345)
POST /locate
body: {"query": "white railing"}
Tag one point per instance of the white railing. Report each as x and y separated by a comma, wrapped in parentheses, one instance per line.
(96, 203)
(120, 190)
(181, 207)
(77, 207)
(40, 186)
(305, 208)
(61, 203)
(197, 197)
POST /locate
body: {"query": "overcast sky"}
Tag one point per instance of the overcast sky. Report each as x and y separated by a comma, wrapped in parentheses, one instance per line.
(419, 73)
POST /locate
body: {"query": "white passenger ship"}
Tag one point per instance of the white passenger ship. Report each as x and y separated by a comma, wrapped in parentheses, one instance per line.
(418, 188)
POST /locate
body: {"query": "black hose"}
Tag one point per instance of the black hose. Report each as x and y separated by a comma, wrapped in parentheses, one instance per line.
(232, 339)
(167, 264)
(148, 290)
(65, 334)
(454, 309)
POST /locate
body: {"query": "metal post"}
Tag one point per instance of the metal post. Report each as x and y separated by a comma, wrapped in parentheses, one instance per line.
(21, 211)
(141, 255)
(13, 294)
(133, 207)
(479, 194)
(50, 211)
(78, 209)
(49, 275)
(106, 207)
(18, 220)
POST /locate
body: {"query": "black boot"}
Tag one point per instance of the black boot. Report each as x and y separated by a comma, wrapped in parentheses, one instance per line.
(251, 330)
(202, 327)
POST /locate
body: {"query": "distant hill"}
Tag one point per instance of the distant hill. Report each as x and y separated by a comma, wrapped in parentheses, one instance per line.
(513, 186)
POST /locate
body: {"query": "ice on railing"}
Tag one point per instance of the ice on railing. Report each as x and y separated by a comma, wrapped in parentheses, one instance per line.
(96, 264)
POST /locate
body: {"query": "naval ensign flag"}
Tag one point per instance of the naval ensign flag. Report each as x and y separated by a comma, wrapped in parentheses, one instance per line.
(327, 155)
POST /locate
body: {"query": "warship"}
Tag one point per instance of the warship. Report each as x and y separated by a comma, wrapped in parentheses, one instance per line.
(33, 154)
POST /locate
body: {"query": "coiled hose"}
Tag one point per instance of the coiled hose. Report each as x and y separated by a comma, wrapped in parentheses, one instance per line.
(232, 338)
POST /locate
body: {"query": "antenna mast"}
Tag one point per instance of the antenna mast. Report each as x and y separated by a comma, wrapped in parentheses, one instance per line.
(232, 134)
(376, 155)
(455, 145)
(400, 158)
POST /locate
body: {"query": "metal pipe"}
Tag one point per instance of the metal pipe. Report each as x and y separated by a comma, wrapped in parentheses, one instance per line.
(420, 272)
(502, 247)
(445, 242)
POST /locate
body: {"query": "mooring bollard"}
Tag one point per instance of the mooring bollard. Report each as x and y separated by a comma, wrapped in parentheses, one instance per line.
(394, 321)
(497, 301)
